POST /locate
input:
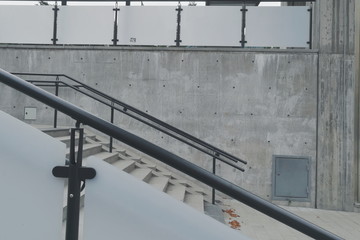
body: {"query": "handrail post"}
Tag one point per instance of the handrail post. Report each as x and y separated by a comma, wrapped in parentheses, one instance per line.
(243, 25)
(310, 10)
(55, 9)
(115, 37)
(75, 174)
(178, 27)
(214, 172)
(56, 94)
(73, 201)
(112, 121)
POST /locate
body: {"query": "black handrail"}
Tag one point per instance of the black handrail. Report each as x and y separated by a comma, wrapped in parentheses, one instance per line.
(168, 158)
(139, 119)
(151, 121)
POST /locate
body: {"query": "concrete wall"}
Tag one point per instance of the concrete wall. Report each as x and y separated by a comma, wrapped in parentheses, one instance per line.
(334, 37)
(357, 81)
(253, 104)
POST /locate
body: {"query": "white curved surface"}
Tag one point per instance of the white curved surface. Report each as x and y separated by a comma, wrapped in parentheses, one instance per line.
(119, 206)
(31, 202)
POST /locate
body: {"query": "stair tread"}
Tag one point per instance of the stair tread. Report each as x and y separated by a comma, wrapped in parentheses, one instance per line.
(195, 200)
(57, 132)
(159, 183)
(88, 146)
(124, 165)
(63, 138)
(89, 149)
(176, 191)
(106, 155)
(143, 174)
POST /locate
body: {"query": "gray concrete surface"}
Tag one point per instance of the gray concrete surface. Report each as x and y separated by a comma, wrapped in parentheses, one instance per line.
(253, 104)
(258, 226)
(337, 135)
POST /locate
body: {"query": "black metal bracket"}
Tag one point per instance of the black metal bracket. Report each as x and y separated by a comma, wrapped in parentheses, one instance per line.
(83, 173)
(54, 39)
(76, 174)
(178, 28)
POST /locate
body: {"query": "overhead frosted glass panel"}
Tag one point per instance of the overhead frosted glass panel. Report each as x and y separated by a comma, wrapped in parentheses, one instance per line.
(26, 24)
(277, 27)
(211, 26)
(119, 206)
(147, 26)
(31, 201)
(85, 25)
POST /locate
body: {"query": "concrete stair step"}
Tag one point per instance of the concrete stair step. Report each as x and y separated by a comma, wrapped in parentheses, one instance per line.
(66, 140)
(125, 165)
(88, 150)
(57, 132)
(195, 200)
(159, 183)
(143, 174)
(107, 156)
(176, 191)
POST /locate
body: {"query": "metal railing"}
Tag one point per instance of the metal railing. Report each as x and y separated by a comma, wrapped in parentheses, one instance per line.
(206, 177)
(116, 105)
(234, 26)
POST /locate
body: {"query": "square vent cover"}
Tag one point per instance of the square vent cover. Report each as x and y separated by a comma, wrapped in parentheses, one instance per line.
(291, 178)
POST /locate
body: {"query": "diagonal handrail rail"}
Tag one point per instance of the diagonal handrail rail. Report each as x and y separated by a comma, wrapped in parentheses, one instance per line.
(147, 119)
(168, 158)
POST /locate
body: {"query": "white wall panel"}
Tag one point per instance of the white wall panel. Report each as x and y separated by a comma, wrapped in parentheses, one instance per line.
(26, 24)
(277, 27)
(211, 26)
(31, 203)
(147, 26)
(119, 206)
(85, 25)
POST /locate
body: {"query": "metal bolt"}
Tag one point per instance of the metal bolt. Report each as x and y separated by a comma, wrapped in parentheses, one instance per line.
(71, 195)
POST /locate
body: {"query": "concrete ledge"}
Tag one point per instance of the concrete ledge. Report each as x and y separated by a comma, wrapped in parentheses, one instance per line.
(155, 48)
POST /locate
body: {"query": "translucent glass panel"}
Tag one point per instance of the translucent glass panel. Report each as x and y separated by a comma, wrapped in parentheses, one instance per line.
(85, 25)
(211, 26)
(277, 27)
(26, 24)
(119, 206)
(31, 202)
(147, 26)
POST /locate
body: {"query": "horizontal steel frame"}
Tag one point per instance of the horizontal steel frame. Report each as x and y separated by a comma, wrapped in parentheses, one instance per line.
(168, 158)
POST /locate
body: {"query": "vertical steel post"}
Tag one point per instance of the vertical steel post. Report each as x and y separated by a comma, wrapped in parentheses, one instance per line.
(115, 39)
(214, 172)
(310, 27)
(73, 200)
(243, 25)
(56, 94)
(75, 174)
(127, 2)
(54, 39)
(112, 121)
(178, 28)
